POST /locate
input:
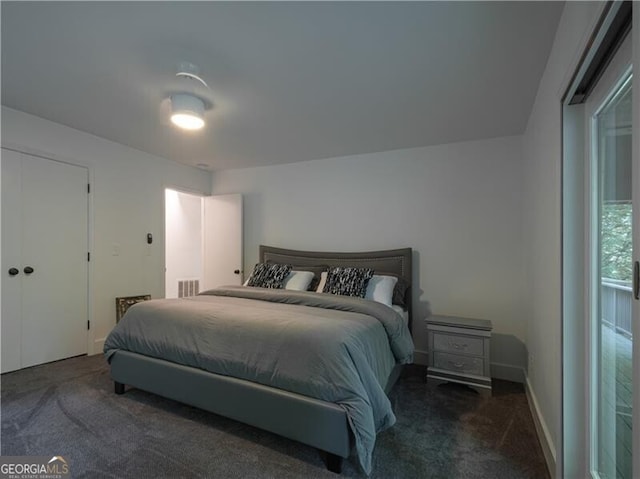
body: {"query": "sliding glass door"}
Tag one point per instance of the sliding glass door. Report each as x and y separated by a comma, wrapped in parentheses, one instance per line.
(609, 121)
(600, 246)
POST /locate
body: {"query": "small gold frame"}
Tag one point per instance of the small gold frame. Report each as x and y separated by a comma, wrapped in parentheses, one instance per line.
(125, 302)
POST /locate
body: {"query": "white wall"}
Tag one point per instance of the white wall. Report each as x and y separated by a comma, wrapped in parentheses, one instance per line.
(542, 147)
(458, 205)
(127, 203)
(183, 239)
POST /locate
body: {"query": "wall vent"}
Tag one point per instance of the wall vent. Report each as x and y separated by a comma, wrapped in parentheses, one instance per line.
(188, 287)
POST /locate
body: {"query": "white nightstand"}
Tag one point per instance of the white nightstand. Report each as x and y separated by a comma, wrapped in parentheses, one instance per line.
(459, 351)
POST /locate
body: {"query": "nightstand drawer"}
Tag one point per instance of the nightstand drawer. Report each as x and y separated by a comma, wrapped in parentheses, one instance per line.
(458, 344)
(457, 363)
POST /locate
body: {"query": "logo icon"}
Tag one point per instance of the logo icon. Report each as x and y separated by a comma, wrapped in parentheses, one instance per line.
(34, 467)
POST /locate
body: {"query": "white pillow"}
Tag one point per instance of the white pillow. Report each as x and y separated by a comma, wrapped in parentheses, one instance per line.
(298, 280)
(380, 289)
(323, 281)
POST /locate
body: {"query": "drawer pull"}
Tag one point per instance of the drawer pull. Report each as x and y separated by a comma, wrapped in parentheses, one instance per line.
(458, 346)
(456, 365)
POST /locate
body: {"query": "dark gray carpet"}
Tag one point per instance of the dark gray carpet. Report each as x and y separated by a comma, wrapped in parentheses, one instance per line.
(68, 408)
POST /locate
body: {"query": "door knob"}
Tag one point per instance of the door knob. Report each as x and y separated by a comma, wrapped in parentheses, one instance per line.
(28, 270)
(13, 271)
(237, 271)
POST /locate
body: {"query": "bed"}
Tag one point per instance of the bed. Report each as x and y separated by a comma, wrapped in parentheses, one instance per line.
(313, 419)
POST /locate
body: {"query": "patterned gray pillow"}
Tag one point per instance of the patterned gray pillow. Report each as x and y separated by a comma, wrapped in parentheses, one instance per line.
(347, 281)
(316, 270)
(269, 275)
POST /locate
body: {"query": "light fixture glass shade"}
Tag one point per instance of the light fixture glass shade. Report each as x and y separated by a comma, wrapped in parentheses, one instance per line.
(187, 111)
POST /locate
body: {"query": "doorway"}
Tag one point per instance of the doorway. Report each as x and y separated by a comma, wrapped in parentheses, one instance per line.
(183, 243)
(203, 242)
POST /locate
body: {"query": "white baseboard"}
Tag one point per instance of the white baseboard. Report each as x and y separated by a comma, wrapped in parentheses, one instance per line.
(548, 448)
(98, 346)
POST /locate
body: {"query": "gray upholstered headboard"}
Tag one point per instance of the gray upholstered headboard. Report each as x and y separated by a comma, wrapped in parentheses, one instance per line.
(396, 261)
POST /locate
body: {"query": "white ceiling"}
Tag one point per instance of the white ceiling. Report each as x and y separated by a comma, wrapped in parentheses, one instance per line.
(289, 81)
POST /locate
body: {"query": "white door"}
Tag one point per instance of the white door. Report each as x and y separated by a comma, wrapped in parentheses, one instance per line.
(11, 327)
(222, 240)
(45, 238)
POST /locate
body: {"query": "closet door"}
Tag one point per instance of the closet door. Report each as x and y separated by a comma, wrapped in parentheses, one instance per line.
(11, 326)
(48, 212)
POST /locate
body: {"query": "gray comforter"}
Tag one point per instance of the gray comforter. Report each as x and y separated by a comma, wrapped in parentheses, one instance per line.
(335, 348)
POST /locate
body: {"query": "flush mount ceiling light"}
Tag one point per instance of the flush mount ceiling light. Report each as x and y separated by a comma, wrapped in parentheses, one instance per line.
(189, 103)
(187, 111)
(190, 71)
